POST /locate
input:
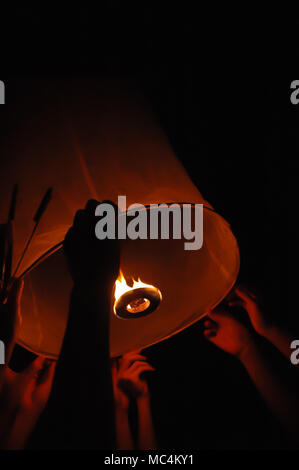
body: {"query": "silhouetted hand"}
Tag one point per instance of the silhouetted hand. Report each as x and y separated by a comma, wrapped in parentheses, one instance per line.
(222, 329)
(10, 318)
(90, 259)
(28, 391)
(246, 299)
(23, 398)
(128, 377)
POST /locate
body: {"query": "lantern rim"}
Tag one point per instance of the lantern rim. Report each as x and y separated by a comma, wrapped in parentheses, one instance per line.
(56, 247)
(195, 317)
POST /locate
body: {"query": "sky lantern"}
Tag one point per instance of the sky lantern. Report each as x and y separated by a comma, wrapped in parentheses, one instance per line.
(99, 139)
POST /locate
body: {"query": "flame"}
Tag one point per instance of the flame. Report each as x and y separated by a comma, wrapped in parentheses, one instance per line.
(121, 285)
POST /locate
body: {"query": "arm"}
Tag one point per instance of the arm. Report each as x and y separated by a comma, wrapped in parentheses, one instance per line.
(146, 433)
(8, 326)
(33, 386)
(130, 384)
(279, 390)
(278, 337)
(281, 339)
(23, 395)
(124, 438)
(82, 388)
(9, 322)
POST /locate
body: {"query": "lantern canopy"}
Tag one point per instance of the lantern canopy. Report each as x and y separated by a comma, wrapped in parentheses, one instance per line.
(99, 139)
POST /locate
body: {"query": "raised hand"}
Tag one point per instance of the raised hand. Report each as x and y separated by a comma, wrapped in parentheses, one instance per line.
(246, 299)
(90, 259)
(28, 390)
(128, 377)
(222, 329)
(129, 383)
(23, 398)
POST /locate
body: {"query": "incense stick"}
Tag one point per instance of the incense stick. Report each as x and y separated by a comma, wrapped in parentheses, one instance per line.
(37, 217)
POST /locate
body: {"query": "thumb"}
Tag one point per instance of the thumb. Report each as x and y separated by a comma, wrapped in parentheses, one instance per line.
(47, 373)
(31, 372)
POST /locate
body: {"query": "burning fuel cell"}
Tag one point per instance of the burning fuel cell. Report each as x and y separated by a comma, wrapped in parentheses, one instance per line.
(137, 301)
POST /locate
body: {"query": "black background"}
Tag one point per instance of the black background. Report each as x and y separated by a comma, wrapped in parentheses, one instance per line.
(219, 83)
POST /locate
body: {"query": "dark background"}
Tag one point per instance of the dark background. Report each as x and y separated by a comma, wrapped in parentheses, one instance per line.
(219, 83)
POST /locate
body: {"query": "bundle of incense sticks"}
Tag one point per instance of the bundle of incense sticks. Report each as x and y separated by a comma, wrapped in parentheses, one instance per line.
(6, 241)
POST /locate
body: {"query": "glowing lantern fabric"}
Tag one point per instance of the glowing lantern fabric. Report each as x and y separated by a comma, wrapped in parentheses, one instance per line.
(98, 139)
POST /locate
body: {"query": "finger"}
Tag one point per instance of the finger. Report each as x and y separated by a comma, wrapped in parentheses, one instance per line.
(140, 364)
(142, 369)
(133, 355)
(249, 291)
(128, 359)
(35, 367)
(208, 323)
(30, 374)
(138, 359)
(51, 371)
(146, 368)
(245, 295)
(216, 315)
(46, 375)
